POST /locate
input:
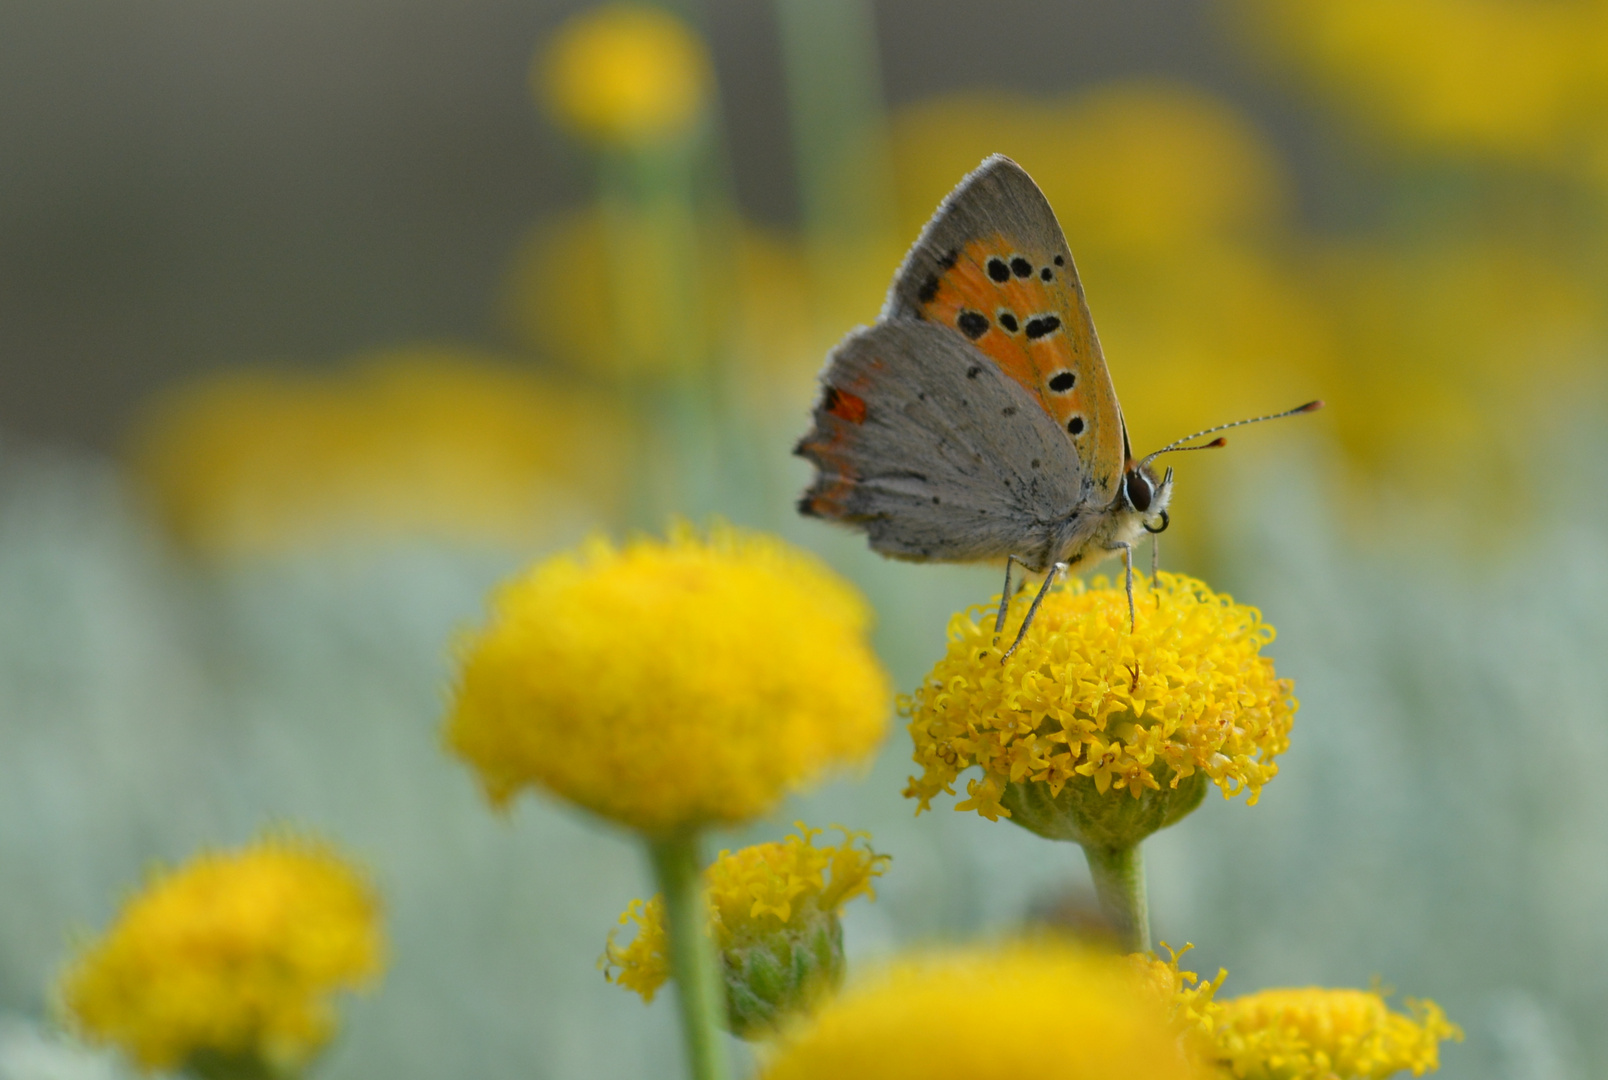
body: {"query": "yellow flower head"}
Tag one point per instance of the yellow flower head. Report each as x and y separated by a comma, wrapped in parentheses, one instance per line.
(670, 684)
(233, 955)
(773, 914)
(1085, 710)
(625, 73)
(1318, 1034)
(1046, 1009)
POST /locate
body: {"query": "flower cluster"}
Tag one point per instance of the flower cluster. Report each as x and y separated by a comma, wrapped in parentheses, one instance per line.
(667, 685)
(772, 914)
(234, 955)
(1085, 701)
(1298, 1034)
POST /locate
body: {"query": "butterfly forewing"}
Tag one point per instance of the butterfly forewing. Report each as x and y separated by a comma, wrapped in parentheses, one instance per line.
(993, 267)
(926, 444)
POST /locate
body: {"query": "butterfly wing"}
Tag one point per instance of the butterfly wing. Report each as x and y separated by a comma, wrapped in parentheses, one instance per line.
(994, 268)
(937, 453)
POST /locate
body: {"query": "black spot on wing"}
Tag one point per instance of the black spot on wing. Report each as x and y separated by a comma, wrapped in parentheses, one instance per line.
(974, 324)
(973, 371)
(928, 290)
(1075, 425)
(949, 259)
(998, 270)
(1046, 274)
(1063, 381)
(1042, 326)
(1060, 261)
(1021, 267)
(1008, 321)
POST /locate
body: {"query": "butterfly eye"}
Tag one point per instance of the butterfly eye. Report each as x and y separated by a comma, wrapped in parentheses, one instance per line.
(1137, 488)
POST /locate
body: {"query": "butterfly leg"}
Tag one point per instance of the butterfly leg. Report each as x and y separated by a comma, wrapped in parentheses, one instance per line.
(1127, 566)
(1049, 579)
(1155, 559)
(1004, 598)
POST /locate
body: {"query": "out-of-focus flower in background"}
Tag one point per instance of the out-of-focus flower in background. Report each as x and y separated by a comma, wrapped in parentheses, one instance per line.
(1517, 80)
(1316, 1034)
(773, 914)
(228, 963)
(625, 73)
(670, 685)
(436, 442)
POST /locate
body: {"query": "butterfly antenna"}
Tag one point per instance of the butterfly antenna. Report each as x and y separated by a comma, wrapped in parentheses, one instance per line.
(1178, 444)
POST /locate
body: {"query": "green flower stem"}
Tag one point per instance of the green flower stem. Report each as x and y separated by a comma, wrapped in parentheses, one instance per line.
(692, 955)
(1119, 882)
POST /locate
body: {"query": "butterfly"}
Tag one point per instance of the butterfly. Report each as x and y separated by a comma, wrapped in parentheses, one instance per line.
(976, 419)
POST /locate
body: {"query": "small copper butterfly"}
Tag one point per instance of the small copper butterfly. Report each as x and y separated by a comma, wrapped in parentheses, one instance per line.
(976, 420)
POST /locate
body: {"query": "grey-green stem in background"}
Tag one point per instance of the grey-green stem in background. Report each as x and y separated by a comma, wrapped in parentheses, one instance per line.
(1119, 883)
(692, 954)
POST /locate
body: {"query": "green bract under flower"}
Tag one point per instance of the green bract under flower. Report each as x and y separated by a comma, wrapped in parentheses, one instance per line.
(1089, 703)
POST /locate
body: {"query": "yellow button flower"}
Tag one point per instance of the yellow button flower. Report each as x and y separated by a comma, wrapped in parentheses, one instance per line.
(1045, 1009)
(625, 73)
(232, 957)
(1308, 1034)
(773, 914)
(1087, 711)
(1318, 1034)
(668, 685)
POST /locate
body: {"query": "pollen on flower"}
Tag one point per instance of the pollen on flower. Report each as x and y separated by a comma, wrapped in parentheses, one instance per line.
(625, 73)
(753, 892)
(1084, 700)
(1043, 1009)
(234, 954)
(1319, 1034)
(670, 684)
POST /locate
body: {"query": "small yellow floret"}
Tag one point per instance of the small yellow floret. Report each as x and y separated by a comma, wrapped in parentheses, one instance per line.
(670, 684)
(1086, 700)
(234, 954)
(625, 73)
(1190, 1001)
(752, 891)
(1318, 1034)
(1047, 1010)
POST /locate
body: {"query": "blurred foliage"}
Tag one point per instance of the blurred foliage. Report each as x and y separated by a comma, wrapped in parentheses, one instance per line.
(434, 441)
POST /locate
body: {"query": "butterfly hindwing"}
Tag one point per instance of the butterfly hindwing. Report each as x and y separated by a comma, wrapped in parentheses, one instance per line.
(937, 453)
(994, 268)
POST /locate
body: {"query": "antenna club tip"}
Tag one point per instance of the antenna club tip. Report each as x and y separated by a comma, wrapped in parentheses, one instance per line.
(1219, 441)
(1311, 406)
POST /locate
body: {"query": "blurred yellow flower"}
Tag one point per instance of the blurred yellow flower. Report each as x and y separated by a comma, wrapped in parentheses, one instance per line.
(1508, 77)
(772, 914)
(234, 956)
(1045, 1009)
(670, 684)
(1318, 1034)
(568, 297)
(1132, 169)
(624, 73)
(1084, 707)
(440, 442)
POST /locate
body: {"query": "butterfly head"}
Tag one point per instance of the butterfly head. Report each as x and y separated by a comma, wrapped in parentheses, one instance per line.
(1147, 497)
